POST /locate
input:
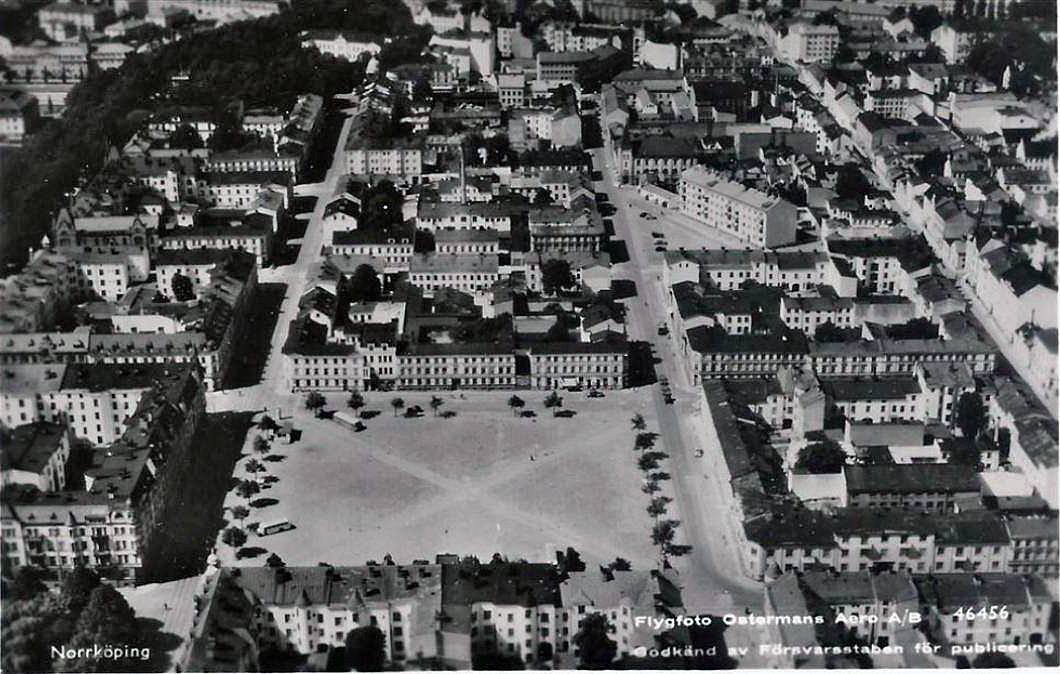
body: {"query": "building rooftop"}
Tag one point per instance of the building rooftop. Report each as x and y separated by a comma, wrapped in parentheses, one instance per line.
(911, 478)
(889, 388)
(27, 379)
(30, 447)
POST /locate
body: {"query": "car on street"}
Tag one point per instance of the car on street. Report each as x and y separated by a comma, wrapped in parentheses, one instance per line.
(660, 249)
(658, 235)
(663, 330)
(596, 393)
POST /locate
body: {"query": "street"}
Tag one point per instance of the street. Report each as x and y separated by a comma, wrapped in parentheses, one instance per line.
(711, 576)
(272, 392)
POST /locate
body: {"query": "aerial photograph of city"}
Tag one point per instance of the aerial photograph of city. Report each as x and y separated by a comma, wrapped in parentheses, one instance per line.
(387, 335)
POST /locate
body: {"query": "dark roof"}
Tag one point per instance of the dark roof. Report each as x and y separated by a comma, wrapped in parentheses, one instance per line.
(870, 389)
(912, 478)
(501, 583)
(29, 447)
(108, 376)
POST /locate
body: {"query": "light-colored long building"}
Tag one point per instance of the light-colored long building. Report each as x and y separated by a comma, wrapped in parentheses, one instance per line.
(753, 216)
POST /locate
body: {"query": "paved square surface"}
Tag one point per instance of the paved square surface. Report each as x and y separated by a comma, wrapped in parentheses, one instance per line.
(481, 482)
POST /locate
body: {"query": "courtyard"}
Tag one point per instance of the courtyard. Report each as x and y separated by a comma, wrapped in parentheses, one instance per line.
(482, 481)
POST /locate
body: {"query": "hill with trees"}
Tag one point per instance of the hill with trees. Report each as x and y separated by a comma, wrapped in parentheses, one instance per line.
(260, 62)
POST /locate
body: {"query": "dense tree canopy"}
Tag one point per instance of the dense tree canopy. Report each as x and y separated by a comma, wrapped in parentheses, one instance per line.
(821, 457)
(970, 414)
(364, 649)
(596, 649)
(106, 619)
(221, 65)
(556, 275)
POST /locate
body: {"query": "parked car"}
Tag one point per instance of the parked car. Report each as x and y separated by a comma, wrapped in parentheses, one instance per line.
(660, 249)
(658, 235)
(596, 393)
(663, 330)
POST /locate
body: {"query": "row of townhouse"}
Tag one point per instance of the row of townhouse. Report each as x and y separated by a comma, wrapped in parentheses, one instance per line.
(36, 454)
(210, 343)
(394, 157)
(872, 539)
(94, 400)
(931, 393)
(438, 215)
(115, 522)
(450, 612)
(373, 358)
(932, 537)
(948, 606)
(875, 267)
(728, 270)
(759, 356)
(33, 299)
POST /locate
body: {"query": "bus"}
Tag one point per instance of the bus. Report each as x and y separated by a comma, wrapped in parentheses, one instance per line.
(274, 527)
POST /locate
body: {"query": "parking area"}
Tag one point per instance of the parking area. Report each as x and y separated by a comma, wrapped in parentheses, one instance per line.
(485, 480)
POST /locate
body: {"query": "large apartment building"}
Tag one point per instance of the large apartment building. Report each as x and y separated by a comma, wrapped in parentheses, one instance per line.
(450, 613)
(754, 217)
(116, 521)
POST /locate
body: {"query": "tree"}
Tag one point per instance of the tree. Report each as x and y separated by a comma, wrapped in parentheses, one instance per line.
(819, 458)
(436, 404)
(364, 649)
(558, 331)
(621, 564)
(185, 137)
(247, 488)
(596, 649)
(663, 532)
(992, 661)
(424, 242)
(829, 332)
(261, 445)
(850, 182)
(356, 401)
(647, 462)
(651, 487)
(556, 275)
(30, 628)
(657, 507)
(677, 549)
(638, 422)
(544, 651)
(516, 403)
(925, 19)
(234, 537)
(240, 513)
(553, 400)
(542, 197)
(314, 400)
(77, 589)
(106, 619)
(183, 290)
(970, 414)
(397, 404)
(644, 441)
(254, 466)
(364, 285)
(571, 560)
(661, 476)
(274, 561)
(26, 584)
(267, 423)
